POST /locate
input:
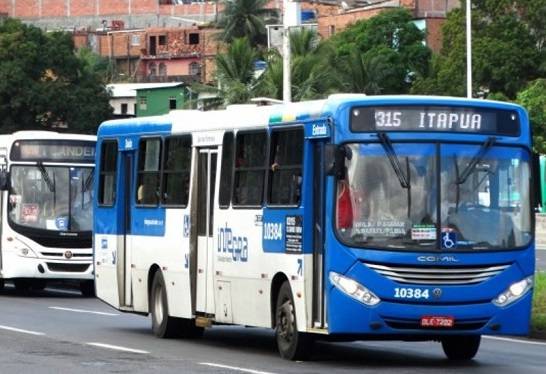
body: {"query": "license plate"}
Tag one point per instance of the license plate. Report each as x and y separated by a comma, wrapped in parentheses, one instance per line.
(437, 321)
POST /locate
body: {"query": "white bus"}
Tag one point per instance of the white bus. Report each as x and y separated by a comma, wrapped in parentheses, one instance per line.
(46, 181)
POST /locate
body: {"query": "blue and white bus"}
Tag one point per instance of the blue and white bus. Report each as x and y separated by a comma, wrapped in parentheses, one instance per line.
(354, 217)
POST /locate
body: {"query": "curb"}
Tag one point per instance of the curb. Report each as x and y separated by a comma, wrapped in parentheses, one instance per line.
(538, 335)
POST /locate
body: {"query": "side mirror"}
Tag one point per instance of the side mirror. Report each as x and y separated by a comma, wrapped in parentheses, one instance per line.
(4, 180)
(334, 159)
(537, 185)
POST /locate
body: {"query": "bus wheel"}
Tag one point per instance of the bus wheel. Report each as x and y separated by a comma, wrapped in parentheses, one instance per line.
(461, 348)
(87, 288)
(21, 285)
(163, 326)
(1, 284)
(292, 345)
(38, 284)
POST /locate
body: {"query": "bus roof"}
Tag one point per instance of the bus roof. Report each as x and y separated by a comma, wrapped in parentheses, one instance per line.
(253, 116)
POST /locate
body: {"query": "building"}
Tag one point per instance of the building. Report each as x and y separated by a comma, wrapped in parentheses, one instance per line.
(123, 96)
(153, 101)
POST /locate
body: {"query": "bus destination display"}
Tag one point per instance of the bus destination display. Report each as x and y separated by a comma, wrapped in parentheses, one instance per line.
(53, 151)
(435, 118)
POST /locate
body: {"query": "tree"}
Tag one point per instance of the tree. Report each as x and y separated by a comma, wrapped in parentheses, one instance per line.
(311, 69)
(506, 50)
(385, 52)
(235, 72)
(246, 18)
(533, 98)
(44, 85)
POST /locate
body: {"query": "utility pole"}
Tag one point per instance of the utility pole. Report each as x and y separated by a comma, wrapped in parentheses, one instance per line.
(291, 17)
(468, 50)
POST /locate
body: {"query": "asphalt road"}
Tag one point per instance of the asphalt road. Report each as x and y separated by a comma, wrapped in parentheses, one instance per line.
(541, 259)
(57, 331)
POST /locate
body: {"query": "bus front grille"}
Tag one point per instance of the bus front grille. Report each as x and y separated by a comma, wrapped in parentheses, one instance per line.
(67, 268)
(437, 275)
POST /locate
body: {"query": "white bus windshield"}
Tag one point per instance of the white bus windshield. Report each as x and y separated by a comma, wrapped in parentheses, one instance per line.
(57, 198)
(489, 209)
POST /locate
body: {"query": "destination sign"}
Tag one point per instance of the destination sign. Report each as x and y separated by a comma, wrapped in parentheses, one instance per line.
(76, 151)
(435, 118)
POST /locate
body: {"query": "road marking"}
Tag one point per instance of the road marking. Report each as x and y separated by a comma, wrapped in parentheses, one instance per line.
(83, 311)
(235, 368)
(118, 348)
(511, 340)
(21, 330)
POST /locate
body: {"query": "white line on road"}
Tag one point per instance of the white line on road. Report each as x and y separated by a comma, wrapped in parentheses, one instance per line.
(21, 330)
(118, 348)
(83, 311)
(235, 368)
(514, 340)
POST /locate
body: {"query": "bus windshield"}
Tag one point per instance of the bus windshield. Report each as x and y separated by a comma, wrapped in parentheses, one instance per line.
(57, 198)
(434, 197)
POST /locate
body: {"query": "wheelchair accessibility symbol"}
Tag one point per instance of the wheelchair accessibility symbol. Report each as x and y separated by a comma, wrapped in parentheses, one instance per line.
(449, 239)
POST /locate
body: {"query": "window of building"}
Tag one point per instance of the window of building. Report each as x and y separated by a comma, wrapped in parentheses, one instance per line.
(162, 40)
(135, 40)
(149, 162)
(172, 102)
(285, 172)
(153, 69)
(108, 168)
(176, 171)
(143, 103)
(162, 69)
(124, 108)
(193, 38)
(226, 173)
(249, 175)
(331, 30)
(195, 68)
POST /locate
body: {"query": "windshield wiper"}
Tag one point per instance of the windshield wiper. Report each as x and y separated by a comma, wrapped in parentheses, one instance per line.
(395, 163)
(50, 185)
(88, 182)
(477, 158)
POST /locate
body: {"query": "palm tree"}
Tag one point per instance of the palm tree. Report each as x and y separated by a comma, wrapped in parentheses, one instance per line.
(235, 71)
(246, 18)
(361, 74)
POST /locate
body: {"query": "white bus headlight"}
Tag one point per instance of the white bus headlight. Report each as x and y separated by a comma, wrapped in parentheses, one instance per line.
(514, 292)
(354, 289)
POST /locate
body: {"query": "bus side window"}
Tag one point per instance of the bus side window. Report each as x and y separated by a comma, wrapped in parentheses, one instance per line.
(176, 171)
(285, 172)
(107, 178)
(250, 158)
(227, 170)
(149, 162)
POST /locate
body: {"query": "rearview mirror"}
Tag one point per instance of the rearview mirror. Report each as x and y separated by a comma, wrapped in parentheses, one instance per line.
(4, 180)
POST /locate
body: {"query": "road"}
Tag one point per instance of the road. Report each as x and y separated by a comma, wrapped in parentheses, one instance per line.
(541, 259)
(56, 331)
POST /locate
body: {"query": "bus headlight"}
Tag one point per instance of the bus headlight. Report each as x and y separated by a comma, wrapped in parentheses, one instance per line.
(514, 292)
(354, 289)
(24, 251)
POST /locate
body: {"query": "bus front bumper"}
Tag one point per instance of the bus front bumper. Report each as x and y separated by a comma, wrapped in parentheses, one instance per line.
(348, 316)
(15, 266)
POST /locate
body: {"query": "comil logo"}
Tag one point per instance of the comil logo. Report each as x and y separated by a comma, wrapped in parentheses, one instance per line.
(68, 255)
(437, 259)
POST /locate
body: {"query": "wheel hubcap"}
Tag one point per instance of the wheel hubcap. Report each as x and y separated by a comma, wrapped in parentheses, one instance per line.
(158, 305)
(285, 321)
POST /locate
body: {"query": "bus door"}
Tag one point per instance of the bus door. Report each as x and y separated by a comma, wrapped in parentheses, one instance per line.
(206, 178)
(318, 234)
(124, 251)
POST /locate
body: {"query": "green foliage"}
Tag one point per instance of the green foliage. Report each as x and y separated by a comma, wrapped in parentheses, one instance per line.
(385, 53)
(43, 84)
(538, 323)
(246, 18)
(506, 50)
(533, 98)
(235, 72)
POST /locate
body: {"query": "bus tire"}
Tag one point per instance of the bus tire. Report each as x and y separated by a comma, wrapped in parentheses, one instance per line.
(38, 284)
(163, 326)
(461, 348)
(87, 288)
(2, 284)
(292, 344)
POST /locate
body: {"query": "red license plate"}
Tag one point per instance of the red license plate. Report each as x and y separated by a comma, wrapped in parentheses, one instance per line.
(437, 321)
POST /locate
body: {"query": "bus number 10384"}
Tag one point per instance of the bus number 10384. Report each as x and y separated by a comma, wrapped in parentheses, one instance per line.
(411, 293)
